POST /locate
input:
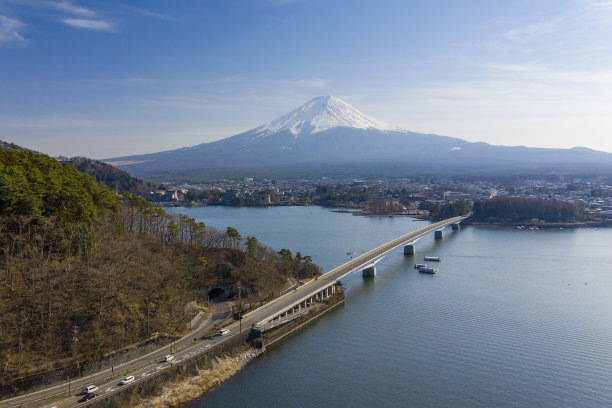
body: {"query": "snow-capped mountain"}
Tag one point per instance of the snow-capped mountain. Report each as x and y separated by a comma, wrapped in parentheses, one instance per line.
(327, 136)
(320, 114)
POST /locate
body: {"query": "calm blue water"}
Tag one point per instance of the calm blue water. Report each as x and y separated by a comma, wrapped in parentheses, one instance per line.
(514, 318)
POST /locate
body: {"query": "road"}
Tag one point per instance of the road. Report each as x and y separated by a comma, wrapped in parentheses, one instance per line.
(108, 379)
(189, 345)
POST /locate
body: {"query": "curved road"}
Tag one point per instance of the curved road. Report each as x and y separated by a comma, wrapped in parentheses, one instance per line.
(108, 379)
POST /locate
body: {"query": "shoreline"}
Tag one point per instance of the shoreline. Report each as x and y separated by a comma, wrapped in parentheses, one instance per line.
(551, 225)
(193, 381)
(361, 213)
(180, 392)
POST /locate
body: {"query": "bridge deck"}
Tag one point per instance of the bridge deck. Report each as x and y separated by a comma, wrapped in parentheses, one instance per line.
(361, 262)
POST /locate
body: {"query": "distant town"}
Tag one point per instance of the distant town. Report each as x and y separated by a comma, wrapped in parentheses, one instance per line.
(414, 196)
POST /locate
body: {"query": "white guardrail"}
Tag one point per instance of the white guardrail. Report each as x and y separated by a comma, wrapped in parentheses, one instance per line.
(372, 256)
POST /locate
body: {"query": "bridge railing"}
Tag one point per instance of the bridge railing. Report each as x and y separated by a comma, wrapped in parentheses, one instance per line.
(353, 265)
(391, 245)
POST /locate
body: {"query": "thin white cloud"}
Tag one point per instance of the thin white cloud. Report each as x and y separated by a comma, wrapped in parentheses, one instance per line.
(230, 93)
(527, 32)
(582, 16)
(152, 14)
(544, 74)
(95, 25)
(69, 7)
(66, 6)
(9, 31)
(597, 5)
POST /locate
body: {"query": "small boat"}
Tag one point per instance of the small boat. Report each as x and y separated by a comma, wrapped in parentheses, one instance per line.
(419, 266)
(432, 258)
(431, 271)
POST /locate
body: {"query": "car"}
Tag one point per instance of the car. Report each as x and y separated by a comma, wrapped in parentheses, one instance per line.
(169, 357)
(90, 388)
(91, 395)
(127, 380)
(223, 332)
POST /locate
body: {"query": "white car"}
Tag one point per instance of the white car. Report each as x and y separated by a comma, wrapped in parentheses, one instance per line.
(127, 380)
(169, 357)
(223, 332)
(89, 389)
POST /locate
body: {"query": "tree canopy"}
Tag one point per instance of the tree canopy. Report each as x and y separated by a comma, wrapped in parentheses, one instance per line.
(449, 210)
(35, 185)
(521, 209)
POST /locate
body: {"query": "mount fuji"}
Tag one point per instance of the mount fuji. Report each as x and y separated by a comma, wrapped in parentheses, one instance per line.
(327, 136)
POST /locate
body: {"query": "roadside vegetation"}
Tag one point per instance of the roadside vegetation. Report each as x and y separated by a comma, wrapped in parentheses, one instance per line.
(84, 271)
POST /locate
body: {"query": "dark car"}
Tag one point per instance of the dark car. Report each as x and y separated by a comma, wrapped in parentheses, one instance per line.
(90, 396)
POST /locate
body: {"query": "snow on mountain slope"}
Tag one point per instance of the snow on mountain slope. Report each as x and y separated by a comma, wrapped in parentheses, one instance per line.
(319, 114)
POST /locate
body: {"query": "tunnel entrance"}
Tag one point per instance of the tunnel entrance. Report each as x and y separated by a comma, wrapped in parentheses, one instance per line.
(216, 294)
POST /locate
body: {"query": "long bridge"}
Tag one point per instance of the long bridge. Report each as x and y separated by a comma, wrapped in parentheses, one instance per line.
(277, 312)
(292, 304)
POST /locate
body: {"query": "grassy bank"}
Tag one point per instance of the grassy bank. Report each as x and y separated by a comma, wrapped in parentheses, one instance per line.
(180, 392)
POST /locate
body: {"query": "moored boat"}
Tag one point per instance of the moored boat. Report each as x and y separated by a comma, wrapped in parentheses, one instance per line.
(432, 258)
(431, 271)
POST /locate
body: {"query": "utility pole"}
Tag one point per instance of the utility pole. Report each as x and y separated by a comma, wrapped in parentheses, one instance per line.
(75, 339)
(239, 307)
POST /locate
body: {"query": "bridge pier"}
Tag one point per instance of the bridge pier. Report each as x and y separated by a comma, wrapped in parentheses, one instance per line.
(409, 249)
(438, 234)
(369, 272)
(455, 227)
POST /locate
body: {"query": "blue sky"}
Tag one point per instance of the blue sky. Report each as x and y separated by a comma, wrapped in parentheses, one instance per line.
(111, 78)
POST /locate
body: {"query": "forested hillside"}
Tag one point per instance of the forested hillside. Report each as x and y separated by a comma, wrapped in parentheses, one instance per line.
(9, 145)
(80, 262)
(35, 185)
(117, 180)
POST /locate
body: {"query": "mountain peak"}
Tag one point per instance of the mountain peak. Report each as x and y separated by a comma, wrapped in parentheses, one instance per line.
(319, 114)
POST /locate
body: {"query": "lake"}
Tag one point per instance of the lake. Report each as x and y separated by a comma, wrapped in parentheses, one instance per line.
(514, 318)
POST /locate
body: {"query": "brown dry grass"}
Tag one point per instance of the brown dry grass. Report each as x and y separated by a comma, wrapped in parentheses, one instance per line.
(189, 389)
